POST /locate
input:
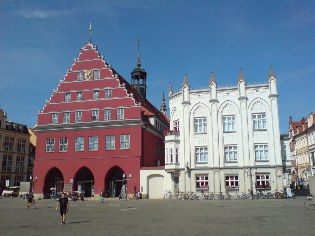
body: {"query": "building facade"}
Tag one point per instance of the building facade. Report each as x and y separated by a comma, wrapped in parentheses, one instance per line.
(288, 161)
(224, 139)
(97, 131)
(302, 134)
(14, 152)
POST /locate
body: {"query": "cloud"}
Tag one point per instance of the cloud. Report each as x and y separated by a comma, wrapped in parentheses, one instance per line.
(41, 14)
(299, 18)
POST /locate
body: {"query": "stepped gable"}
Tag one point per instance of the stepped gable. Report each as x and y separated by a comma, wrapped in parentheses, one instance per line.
(89, 59)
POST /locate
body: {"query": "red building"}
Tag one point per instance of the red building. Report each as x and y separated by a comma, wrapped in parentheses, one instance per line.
(97, 129)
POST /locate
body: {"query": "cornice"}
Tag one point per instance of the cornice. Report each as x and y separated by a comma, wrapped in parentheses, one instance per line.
(88, 125)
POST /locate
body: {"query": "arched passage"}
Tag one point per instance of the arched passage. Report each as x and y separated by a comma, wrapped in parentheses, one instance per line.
(114, 181)
(84, 181)
(53, 179)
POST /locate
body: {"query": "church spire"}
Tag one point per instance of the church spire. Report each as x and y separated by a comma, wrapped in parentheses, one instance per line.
(163, 104)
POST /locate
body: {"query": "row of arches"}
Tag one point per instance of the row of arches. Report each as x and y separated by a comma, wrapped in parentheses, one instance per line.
(83, 181)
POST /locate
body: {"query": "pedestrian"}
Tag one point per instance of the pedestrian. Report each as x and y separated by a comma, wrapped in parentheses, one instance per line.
(102, 195)
(63, 205)
(30, 201)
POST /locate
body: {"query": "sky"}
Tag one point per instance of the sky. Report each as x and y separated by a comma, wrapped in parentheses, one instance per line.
(40, 39)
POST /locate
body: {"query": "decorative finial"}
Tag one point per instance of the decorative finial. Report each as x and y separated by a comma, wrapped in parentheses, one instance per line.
(163, 105)
(271, 73)
(90, 32)
(241, 75)
(170, 89)
(185, 81)
(212, 78)
(139, 61)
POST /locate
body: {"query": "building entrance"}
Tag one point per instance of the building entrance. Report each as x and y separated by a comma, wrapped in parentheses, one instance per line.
(113, 182)
(53, 182)
(84, 182)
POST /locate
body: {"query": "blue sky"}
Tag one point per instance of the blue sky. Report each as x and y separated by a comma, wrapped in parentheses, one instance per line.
(40, 39)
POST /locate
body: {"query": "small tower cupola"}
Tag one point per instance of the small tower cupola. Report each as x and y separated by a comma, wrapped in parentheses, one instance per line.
(139, 77)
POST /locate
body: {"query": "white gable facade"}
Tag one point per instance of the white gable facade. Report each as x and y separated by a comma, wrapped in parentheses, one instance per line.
(224, 138)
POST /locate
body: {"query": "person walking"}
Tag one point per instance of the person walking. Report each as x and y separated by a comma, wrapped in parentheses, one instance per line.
(63, 205)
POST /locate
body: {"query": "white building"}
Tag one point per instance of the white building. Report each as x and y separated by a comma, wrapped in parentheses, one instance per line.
(224, 138)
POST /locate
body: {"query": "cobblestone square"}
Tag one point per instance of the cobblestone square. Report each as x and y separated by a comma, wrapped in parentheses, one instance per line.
(159, 217)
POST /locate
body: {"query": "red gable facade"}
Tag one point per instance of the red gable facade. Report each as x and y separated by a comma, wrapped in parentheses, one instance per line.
(96, 130)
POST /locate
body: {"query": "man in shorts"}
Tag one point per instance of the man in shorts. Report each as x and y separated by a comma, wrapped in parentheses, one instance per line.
(63, 205)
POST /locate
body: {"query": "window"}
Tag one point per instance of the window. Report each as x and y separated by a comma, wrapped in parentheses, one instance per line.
(79, 96)
(95, 115)
(19, 166)
(17, 180)
(176, 125)
(96, 94)
(125, 141)
(80, 75)
(8, 144)
(107, 114)
(97, 74)
(50, 144)
(63, 144)
(230, 153)
(78, 116)
(177, 155)
(170, 150)
(54, 118)
(7, 163)
(231, 182)
(67, 97)
(200, 125)
(259, 121)
(201, 154)
(93, 143)
(228, 123)
(110, 142)
(120, 114)
(262, 181)
(108, 93)
(202, 182)
(21, 145)
(79, 144)
(3, 180)
(261, 152)
(66, 117)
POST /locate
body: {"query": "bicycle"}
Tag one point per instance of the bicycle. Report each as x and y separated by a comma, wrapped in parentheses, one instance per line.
(309, 204)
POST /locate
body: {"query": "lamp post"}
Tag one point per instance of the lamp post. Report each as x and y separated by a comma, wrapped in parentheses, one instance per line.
(31, 184)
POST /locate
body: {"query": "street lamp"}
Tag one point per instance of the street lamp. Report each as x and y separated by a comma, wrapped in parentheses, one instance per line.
(31, 184)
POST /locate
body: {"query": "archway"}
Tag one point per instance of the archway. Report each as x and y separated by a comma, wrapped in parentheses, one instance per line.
(53, 181)
(114, 182)
(83, 181)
